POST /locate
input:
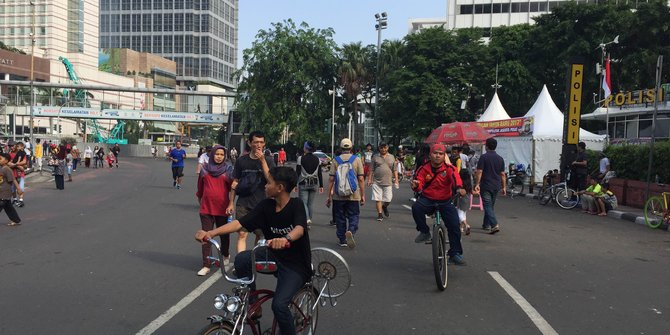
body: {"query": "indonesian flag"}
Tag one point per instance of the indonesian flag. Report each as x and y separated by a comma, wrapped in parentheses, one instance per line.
(607, 84)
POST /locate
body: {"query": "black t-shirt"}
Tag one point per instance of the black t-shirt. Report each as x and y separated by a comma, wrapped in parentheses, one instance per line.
(247, 165)
(491, 165)
(309, 163)
(277, 224)
(579, 169)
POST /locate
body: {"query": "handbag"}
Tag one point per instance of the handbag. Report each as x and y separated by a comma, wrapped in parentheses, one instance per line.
(52, 162)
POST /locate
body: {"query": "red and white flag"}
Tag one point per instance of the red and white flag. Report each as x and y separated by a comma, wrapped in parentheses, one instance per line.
(607, 84)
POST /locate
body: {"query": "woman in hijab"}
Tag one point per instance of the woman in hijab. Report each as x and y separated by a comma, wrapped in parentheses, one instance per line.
(214, 184)
(59, 154)
(88, 153)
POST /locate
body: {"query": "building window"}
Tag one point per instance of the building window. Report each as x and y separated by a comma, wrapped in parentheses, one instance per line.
(146, 22)
(179, 44)
(158, 4)
(467, 9)
(125, 42)
(167, 44)
(104, 23)
(137, 22)
(188, 25)
(137, 4)
(158, 22)
(115, 24)
(167, 22)
(125, 4)
(158, 44)
(178, 22)
(136, 43)
(146, 4)
(146, 44)
(125, 22)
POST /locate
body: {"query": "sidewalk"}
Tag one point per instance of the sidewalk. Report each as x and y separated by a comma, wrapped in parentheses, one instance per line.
(631, 214)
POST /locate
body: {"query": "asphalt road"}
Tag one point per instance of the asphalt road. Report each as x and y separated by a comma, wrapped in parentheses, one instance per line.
(114, 251)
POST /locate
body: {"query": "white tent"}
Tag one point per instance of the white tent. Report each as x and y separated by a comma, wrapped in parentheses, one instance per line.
(495, 111)
(543, 149)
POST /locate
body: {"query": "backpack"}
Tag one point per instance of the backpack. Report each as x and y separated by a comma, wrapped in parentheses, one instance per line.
(345, 177)
(248, 183)
(311, 179)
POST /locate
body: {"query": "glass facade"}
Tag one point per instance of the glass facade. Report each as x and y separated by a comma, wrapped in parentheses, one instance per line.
(75, 26)
(200, 35)
(639, 126)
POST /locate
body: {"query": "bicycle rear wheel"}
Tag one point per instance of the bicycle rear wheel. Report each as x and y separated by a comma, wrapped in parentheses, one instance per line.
(544, 197)
(217, 329)
(440, 256)
(567, 200)
(330, 269)
(654, 210)
(305, 311)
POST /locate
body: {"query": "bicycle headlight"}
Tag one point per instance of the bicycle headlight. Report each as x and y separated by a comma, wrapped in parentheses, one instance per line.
(232, 304)
(220, 301)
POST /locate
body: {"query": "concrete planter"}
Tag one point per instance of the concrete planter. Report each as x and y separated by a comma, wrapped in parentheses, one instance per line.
(632, 192)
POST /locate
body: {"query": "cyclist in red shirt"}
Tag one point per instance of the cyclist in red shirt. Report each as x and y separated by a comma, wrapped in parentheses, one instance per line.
(436, 183)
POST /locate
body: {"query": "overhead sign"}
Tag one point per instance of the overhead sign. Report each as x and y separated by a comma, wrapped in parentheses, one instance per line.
(127, 114)
(518, 126)
(575, 105)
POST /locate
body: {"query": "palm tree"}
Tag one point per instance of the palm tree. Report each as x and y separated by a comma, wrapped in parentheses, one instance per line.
(353, 74)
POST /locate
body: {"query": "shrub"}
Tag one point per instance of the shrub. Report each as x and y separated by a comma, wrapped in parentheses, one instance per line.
(631, 161)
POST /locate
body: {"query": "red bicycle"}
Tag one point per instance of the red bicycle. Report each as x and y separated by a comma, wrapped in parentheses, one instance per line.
(330, 280)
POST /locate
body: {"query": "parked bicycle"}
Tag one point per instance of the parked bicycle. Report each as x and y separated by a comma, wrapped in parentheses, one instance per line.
(656, 210)
(331, 279)
(565, 197)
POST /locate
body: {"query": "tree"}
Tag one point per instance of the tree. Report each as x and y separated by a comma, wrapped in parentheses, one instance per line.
(285, 80)
(355, 75)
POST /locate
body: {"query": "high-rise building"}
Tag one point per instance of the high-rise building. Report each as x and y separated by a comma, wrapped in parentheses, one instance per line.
(199, 35)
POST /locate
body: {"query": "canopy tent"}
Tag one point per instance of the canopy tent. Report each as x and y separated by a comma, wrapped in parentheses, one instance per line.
(458, 133)
(542, 150)
(495, 111)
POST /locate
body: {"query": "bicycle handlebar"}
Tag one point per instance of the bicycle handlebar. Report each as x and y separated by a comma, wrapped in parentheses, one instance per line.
(239, 281)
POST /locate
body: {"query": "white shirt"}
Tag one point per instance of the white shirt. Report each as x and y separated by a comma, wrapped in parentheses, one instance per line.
(203, 159)
(464, 161)
(604, 162)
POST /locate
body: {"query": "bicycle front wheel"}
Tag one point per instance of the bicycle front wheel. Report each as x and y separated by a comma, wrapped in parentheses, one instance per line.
(305, 311)
(654, 210)
(217, 329)
(440, 256)
(567, 198)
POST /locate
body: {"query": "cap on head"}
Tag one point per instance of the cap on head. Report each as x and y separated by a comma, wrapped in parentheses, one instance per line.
(309, 146)
(438, 147)
(383, 145)
(345, 143)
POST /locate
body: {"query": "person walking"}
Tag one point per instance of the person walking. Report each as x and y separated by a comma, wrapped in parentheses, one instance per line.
(383, 171)
(111, 158)
(177, 155)
(489, 180)
(367, 158)
(282, 157)
(233, 155)
(116, 150)
(88, 153)
(7, 182)
(18, 164)
(346, 208)
(580, 167)
(213, 190)
(100, 153)
(250, 174)
(69, 162)
(435, 182)
(39, 154)
(58, 157)
(309, 179)
(203, 159)
(76, 157)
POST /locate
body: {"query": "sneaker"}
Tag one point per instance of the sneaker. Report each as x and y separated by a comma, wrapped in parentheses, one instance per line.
(351, 243)
(174, 184)
(178, 187)
(456, 259)
(486, 228)
(422, 237)
(12, 223)
(343, 244)
(386, 211)
(20, 203)
(494, 230)
(332, 223)
(379, 217)
(204, 271)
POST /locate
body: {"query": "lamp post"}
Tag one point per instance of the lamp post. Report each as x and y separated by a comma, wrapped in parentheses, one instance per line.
(379, 26)
(32, 74)
(602, 47)
(332, 122)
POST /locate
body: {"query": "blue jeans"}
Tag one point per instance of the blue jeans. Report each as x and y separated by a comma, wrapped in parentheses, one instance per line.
(307, 195)
(343, 211)
(288, 284)
(489, 201)
(449, 215)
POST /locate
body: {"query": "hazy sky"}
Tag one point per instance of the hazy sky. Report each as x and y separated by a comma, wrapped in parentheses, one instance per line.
(352, 21)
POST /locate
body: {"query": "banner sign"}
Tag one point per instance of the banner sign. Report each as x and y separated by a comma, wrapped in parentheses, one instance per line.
(575, 104)
(519, 126)
(127, 114)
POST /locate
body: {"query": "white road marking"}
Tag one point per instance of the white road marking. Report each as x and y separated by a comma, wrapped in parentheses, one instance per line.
(408, 207)
(170, 313)
(541, 324)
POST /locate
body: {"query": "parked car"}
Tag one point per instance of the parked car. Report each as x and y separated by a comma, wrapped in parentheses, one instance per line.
(324, 160)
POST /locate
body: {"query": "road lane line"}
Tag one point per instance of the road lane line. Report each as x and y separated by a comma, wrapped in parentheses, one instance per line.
(542, 324)
(408, 207)
(170, 313)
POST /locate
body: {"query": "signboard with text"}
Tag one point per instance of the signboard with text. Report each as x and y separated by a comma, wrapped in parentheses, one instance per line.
(575, 105)
(125, 114)
(519, 126)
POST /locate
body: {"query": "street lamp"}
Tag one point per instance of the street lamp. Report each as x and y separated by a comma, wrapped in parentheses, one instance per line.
(381, 24)
(602, 47)
(32, 74)
(332, 122)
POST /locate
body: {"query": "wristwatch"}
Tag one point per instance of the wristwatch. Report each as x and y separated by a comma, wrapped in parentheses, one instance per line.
(288, 238)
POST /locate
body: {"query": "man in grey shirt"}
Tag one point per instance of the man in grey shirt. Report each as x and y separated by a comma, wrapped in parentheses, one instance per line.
(382, 173)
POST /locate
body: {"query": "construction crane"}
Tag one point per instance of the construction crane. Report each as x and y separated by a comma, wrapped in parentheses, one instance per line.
(80, 95)
(115, 135)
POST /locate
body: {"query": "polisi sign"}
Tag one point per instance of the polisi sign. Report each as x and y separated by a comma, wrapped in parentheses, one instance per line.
(574, 107)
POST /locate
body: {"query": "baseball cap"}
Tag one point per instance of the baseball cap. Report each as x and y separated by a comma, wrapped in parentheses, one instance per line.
(345, 144)
(438, 147)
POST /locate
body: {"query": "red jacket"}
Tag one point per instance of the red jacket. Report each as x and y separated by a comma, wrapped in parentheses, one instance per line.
(213, 194)
(444, 180)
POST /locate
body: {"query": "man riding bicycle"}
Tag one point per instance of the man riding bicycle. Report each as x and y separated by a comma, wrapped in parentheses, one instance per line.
(283, 222)
(436, 183)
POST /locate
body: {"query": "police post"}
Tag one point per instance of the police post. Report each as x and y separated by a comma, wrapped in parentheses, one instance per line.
(572, 116)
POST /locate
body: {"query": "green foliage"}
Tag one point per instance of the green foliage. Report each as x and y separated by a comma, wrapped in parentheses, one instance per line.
(4, 46)
(631, 161)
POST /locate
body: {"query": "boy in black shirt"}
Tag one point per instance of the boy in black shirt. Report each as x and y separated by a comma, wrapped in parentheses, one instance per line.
(283, 222)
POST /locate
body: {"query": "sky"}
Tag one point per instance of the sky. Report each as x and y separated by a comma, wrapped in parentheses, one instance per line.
(353, 21)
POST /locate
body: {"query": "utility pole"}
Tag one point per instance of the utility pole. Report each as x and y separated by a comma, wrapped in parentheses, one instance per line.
(32, 76)
(381, 24)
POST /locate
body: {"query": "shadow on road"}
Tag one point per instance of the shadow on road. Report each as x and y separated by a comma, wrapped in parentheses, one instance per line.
(187, 262)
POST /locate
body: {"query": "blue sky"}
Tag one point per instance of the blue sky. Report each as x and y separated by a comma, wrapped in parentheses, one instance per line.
(352, 21)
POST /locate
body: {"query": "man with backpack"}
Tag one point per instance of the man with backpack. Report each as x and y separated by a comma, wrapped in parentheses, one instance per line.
(381, 176)
(309, 178)
(250, 177)
(346, 190)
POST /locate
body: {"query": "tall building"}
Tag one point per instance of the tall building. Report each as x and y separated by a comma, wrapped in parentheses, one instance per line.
(199, 35)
